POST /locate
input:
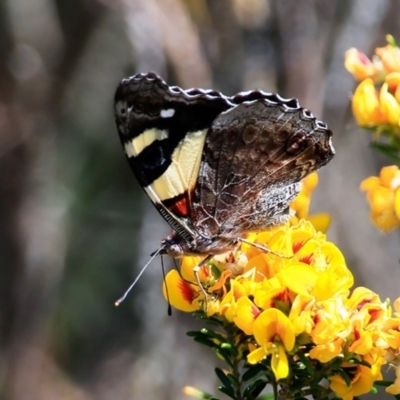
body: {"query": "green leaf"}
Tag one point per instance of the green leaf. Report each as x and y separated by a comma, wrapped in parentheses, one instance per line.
(255, 388)
(213, 334)
(228, 392)
(205, 337)
(215, 270)
(268, 396)
(388, 150)
(336, 363)
(225, 355)
(297, 386)
(344, 375)
(395, 141)
(306, 362)
(391, 40)
(231, 349)
(210, 320)
(193, 333)
(206, 342)
(223, 378)
(252, 372)
(233, 379)
(359, 362)
(383, 383)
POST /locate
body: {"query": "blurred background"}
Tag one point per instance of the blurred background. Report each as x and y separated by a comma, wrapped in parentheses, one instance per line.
(75, 225)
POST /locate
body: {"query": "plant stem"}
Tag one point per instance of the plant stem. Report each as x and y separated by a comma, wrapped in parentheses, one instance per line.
(274, 384)
(235, 366)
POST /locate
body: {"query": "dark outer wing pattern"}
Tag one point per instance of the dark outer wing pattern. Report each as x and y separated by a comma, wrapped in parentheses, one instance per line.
(139, 101)
(261, 143)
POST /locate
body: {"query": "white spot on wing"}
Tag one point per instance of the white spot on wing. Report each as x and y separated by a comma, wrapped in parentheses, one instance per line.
(135, 146)
(167, 113)
(129, 149)
(331, 145)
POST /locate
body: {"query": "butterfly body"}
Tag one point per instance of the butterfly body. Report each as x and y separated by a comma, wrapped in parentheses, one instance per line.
(217, 167)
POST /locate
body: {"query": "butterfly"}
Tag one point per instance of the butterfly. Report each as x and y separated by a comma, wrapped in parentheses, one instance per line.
(217, 167)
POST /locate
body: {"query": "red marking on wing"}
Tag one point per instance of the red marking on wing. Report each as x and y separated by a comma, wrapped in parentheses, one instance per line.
(179, 205)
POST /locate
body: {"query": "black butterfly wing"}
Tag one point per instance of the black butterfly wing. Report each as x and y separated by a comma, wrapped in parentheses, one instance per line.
(162, 130)
(257, 149)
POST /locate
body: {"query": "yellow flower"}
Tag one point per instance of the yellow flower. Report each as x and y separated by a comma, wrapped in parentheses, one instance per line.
(318, 269)
(275, 335)
(389, 107)
(361, 381)
(390, 57)
(295, 302)
(246, 313)
(228, 304)
(332, 326)
(358, 64)
(393, 81)
(365, 104)
(372, 107)
(182, 295)
(383, 195)
(390, 331)
(362, 340)
(301, 314)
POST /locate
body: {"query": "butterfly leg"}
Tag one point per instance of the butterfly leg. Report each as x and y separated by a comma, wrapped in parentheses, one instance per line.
(263, 248)
(196, 270)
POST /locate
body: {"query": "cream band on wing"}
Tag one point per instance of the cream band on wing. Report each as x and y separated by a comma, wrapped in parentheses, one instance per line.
(182, 174)
(135, 146)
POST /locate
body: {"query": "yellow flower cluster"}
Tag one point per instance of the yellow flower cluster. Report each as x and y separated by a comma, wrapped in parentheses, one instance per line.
(372, 107)
(294, 302)
(383, 195)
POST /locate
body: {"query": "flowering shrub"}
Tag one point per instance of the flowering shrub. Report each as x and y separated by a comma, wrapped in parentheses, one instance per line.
(376, 106)
(284, 312)
(383, 195)
(287, 317)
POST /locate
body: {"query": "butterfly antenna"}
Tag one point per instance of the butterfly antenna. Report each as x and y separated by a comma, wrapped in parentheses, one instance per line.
(153, 256)
(169, 312)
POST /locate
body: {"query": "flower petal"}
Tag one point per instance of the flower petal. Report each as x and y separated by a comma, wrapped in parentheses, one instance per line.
(365, 104)
(180, 294)
(279, 363)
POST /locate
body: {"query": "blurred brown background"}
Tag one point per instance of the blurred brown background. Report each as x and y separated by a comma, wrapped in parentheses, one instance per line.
(75, 226)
